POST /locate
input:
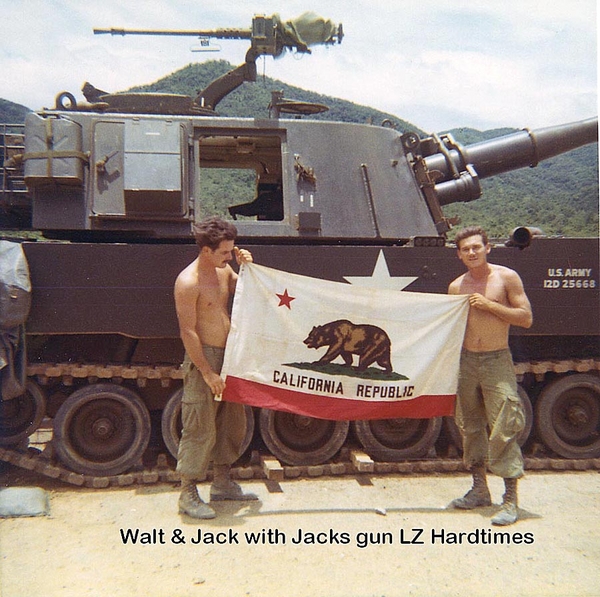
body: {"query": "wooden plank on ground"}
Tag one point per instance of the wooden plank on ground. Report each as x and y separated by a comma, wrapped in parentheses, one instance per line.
(362, 462)
(272, 468)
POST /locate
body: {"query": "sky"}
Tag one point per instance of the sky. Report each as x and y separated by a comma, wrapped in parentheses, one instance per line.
(439, 64)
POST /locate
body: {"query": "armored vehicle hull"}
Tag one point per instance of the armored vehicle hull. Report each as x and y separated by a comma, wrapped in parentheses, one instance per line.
(103, 347)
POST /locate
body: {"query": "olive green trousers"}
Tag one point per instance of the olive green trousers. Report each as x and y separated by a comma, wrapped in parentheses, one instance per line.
(213, 431)
(489, 412)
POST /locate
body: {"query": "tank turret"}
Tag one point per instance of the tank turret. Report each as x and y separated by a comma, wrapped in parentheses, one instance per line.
(135, 164)
(90, 174)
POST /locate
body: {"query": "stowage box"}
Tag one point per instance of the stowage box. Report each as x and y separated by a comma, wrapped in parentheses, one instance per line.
(53, 151)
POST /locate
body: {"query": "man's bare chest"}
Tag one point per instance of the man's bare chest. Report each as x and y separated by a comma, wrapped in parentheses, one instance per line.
(491, 287)
(214, 294)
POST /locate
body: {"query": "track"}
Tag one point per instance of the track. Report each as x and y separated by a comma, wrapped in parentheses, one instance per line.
(101, 429)
(270, 469)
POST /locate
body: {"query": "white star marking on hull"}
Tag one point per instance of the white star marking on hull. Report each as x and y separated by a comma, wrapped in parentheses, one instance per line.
(380, 278)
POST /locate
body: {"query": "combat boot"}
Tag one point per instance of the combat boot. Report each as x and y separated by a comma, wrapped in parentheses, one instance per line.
(478, 495)
(190, 502)
(223, 488)
(508, 513)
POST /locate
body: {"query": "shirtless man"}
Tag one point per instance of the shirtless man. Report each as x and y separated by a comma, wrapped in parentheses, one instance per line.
(212, 430)
(487, 388)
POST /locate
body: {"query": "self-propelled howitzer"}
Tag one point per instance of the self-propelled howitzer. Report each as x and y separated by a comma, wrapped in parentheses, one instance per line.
(116, 185)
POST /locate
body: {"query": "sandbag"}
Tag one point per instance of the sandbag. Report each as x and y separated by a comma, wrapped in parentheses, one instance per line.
(23, 501)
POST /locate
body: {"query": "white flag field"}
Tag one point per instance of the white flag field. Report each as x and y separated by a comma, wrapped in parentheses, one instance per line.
(335, 351)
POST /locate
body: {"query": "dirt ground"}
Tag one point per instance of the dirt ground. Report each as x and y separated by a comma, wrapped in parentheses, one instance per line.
(348, 537)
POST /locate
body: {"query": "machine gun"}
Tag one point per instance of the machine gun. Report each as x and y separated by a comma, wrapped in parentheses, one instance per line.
(269, 36)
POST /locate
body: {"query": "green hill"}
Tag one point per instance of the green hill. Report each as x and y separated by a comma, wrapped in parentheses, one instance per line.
(560, 196)
(12, 113)
(251, 100)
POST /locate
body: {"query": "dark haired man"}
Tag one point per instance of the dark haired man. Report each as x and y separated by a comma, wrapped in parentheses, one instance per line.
(487, 388)
(212, 430)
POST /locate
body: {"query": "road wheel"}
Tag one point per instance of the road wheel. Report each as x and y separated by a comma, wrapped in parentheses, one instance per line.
(392, 440)
(101, 429)
(171, 424)
(568, 416)
(21, 416)
(453, 432)
(296, 439)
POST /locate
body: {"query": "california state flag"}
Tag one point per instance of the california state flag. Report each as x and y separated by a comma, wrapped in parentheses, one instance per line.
(336, 351)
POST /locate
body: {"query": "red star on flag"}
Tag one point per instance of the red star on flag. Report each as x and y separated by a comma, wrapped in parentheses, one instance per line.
(285, 299)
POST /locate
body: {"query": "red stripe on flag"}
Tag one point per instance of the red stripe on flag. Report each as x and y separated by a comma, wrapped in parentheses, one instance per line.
(335, 409)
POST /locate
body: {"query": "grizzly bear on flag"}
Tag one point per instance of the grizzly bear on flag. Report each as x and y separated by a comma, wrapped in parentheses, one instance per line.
(346, 339)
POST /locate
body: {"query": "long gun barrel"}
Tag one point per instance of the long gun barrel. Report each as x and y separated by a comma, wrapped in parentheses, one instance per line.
(216, 33)
(455, 169)
(268, 36)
